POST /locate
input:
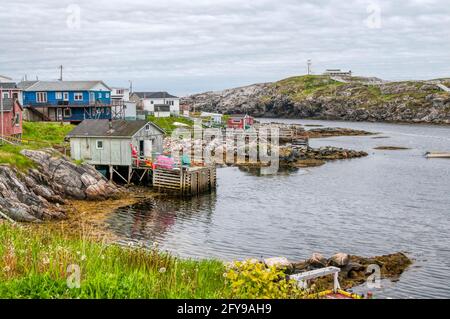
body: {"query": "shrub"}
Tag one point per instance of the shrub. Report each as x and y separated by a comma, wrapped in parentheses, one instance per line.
(250, 280)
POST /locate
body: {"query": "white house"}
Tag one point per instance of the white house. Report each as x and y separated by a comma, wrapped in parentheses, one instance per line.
(129, 110)
(337, 72)
(119, 95)
(122, 107)
(154, 102)
(215, 118)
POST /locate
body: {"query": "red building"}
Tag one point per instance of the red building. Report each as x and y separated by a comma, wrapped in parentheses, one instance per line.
(12, 117)
(240, 121)
(9, 90)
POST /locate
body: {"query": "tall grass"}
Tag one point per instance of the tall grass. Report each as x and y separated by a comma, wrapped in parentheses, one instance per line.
(36, 135)
(53, 133)
(33, 264)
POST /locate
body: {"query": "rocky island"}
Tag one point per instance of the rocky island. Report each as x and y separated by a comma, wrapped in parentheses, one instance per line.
(324, 97)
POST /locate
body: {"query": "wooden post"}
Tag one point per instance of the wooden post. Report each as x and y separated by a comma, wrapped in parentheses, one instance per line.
(111, 172)
(129, 174)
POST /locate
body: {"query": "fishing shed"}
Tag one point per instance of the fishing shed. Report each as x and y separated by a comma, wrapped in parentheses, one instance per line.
(121, 147)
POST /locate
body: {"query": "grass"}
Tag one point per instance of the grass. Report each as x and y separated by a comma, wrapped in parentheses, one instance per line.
(52, 133)
(35, 135)
(167, 123)
(300, 87)
(34, 264)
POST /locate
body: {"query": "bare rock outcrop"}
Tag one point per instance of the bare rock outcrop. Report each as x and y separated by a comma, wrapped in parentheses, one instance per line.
(38, 194)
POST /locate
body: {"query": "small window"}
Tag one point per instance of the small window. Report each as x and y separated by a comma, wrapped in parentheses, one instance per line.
(67, 112)
(147, 127)
(5, 95)
(66, 96)
(58, 95)
(100, 95)
(151, 102)
(17, 120)
(78, 96)
(41, 97)
(99, 145)
(107, 95)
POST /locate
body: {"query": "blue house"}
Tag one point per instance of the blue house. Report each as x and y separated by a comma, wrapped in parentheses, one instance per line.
(66, 101)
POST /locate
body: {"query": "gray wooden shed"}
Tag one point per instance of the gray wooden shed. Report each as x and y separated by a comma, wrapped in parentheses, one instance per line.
(110, 143)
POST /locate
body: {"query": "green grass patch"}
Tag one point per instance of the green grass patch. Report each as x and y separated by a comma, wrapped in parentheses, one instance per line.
(10, 155)
(43, 132)
(34, 264)
(36, 135)
(167, 123)
(300, 87)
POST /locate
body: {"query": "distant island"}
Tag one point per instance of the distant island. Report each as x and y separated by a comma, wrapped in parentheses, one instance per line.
(348, 98)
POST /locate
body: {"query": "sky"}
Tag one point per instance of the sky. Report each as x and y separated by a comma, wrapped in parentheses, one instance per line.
(194, 46)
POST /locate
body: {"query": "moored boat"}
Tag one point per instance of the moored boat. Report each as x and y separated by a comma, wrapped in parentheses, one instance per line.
(437, 155)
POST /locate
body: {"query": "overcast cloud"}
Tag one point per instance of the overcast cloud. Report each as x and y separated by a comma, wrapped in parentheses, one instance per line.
(194, 46)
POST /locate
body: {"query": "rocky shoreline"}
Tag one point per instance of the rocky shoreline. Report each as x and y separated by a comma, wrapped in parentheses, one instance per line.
(310, 157)
(335, 131)
(39, 194)
(354, 270)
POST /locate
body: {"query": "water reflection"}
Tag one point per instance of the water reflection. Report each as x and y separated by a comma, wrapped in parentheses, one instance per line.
(263, 171)
(150, 219)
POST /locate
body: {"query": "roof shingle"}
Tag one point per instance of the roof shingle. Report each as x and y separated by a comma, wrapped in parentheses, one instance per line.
(155, 95)
(60, 85)
(103, 128)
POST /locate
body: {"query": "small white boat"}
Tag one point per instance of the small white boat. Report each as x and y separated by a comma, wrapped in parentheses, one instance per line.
(437, 155)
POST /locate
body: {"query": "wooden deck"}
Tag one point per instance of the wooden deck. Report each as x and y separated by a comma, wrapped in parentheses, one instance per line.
(185, 181)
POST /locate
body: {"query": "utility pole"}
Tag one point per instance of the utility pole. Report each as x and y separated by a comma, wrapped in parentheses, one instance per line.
(60, 72)
(309, 67)
(131, 86)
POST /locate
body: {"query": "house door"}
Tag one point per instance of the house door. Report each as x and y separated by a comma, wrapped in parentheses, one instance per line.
(59, 114)
(141, 148)
(92, 98)
(148, 148)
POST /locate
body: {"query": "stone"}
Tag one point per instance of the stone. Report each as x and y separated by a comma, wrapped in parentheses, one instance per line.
(339, 260)
(278, 262)
(317, 261)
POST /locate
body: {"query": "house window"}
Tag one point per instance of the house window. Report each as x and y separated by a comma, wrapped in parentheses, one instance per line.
(99, 145)
(58, 95)
(5, 95)
(107, 95)
(151, 102)
(66, 96)
(147, 127)
(67, 113)
(78, 96)
(41, 97)
(100, 95)
(17, 120)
